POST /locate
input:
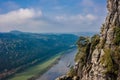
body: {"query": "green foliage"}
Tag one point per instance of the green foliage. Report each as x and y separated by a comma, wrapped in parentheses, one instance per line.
(116, 55)
(102, 43)
(35, 70)
(80, 56)
(83, 41)
(72, 72)
(117, 36)
(83, 46)
(108, 62)
(94, 41)
(18, 50)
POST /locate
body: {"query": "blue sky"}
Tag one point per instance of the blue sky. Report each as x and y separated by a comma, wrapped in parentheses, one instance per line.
(52, 15)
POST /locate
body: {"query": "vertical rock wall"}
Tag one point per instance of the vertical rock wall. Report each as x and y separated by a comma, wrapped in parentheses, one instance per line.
(102, 62)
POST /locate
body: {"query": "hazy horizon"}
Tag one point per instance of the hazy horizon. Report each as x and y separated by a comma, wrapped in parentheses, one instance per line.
(48, 32)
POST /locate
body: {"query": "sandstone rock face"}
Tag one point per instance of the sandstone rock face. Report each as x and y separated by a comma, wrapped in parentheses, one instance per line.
(98, 70)
(112, 21)
(101, 60)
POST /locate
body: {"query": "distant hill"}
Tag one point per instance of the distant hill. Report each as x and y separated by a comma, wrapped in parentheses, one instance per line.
(15, 31)
(85, 33)
(19, 50)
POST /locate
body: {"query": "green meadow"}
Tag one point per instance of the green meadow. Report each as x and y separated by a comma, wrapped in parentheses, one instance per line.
(37, 69)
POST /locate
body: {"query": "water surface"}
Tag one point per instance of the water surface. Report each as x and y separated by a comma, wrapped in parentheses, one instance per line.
(61, 67)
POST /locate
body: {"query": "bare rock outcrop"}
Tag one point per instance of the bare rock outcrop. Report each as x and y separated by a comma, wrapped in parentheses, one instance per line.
(105, 57)
(99, 58)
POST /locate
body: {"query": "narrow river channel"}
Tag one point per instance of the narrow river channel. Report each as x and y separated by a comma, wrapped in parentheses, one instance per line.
(61, 67)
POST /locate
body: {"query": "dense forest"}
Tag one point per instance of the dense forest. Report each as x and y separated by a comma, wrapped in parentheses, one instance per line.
(19, 50)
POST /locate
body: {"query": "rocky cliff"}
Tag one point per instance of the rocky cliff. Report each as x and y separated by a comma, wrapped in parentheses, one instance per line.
(98, 57)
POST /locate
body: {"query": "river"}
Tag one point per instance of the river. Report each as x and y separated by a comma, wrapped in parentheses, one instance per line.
(61, 67)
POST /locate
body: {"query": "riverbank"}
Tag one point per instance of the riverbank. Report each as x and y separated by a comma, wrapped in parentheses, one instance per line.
(37, 70)
(61, 67)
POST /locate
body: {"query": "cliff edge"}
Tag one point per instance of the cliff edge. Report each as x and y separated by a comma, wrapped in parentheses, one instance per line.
(98, 57)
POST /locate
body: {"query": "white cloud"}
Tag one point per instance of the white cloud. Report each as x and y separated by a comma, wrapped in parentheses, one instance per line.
(32, 20)
(91, 17)
(79, 22)
(76, 19)
(18, 16)
(21, 19)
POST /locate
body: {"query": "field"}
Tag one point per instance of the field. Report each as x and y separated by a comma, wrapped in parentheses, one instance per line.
(37, 69)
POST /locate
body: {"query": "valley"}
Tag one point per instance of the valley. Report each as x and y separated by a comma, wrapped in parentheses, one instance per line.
(20, 51)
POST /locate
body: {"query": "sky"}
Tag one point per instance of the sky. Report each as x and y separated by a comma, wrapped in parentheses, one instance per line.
(56, 16)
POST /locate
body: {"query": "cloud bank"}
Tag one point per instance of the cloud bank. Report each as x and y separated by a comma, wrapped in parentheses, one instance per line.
(19, 16)
(60, 16)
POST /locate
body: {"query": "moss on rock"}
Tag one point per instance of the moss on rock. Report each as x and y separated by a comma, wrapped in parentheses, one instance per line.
(117, 36)
(109, 63)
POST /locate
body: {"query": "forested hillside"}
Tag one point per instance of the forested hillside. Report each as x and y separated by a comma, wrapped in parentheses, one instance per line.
(19, 50)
